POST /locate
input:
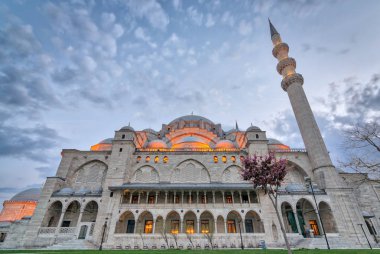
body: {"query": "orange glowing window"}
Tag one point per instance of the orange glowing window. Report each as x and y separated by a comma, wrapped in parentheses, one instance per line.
(165, 159)
(231, 226)
(175, 227)
(224, 159)
(190, 227)
(148, 229)
(216, 159)
(138, 159)
(233, 159)
(205, 226)
(229, 199)
(151, 200)
(147, 159)
(156, 159)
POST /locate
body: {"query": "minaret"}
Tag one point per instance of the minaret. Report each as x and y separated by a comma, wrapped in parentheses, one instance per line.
(323, 169)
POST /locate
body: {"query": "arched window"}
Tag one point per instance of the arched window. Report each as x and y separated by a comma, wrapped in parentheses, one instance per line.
(233, 159)
(138, 159)
(216, 159)
(224, 159)
(165, 159)
(147, 159)
(156, 159)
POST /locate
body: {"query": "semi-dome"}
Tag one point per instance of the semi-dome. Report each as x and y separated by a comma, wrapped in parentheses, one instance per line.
(225, 144)
(191, 118)
(32, 194)
(272, 141)
(106, 141)
(157, 144)
(191, 142)
(253, 128)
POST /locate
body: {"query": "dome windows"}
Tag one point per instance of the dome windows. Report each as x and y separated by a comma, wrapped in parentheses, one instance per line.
(165, 159)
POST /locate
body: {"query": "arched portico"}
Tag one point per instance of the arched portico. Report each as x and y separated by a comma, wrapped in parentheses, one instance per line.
(71, 216)
(52, 215)
(145, 223)
(288, 218)
(221, 226)
(253, 223)
(190, 223)
(234, 222)
(126, 223)
(307, 217)
(172, 223)
(206, 223)
(327, 218)
(90, 212)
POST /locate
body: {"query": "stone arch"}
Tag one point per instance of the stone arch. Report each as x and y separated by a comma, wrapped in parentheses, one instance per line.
(233, 222)
(89, 176)
(70, 219)
(220, 224)
(307, 217)
(146, 174)
(145, 223)
(232, 175)
(126, 223)
(172, 222)
(253, 223)
(190, 171)
(327, 218)
(288, 218)
(159, 228)
(190, 223)
(295, 175)
(90, 212)
(207, 223)
(52, 215)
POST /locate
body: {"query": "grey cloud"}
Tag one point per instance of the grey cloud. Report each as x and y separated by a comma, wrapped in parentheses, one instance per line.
(150, 10)
(31, 143)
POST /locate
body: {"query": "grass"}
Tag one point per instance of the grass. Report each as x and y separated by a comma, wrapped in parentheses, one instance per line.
(303, 251)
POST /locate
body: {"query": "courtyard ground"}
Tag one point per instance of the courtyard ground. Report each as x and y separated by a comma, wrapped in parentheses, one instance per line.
(303, 251)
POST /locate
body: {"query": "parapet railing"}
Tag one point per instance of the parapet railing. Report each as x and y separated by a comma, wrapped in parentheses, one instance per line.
(292, 150)
(188, 150)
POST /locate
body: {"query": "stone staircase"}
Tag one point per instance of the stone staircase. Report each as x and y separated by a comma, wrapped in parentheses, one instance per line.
(74, 244)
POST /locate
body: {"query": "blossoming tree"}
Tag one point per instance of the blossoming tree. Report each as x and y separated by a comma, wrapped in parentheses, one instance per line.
(267, 173)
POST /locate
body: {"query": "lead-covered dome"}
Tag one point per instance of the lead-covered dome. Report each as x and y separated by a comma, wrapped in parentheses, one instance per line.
(225, 144)
(253, 128)
(127, 128)
(32, 194)
(191, 118)
(192, 142)
(157, 144)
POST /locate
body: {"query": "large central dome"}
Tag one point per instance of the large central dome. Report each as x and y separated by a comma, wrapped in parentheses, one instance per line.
(191, 118)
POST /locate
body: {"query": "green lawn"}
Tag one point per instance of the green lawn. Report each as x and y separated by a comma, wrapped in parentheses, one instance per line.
(192, 251)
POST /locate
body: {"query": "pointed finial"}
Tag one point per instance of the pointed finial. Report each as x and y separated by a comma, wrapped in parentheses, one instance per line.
(273, 30)
(236, 125)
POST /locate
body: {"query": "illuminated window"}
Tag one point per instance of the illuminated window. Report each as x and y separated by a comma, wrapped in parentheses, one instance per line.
(156, 159)
(190, 227)
(138, 159)
(166, 159)
(231, 226)
(151, 200)
(229, 199)
(148, 229)
(175, 227)
(205, 226)
(216, 159)
(176, 199)
(233, 159)
(135, 199)
(147, 159)
(224, 159)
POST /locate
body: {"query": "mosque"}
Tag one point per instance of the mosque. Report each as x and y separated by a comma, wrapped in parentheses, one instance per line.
(180, 187)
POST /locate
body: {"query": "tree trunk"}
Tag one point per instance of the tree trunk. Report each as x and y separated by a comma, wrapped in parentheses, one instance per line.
(281, 225)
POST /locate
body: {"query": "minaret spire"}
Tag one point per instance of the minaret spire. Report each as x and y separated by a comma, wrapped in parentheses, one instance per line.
(292, 84)
(236, 125)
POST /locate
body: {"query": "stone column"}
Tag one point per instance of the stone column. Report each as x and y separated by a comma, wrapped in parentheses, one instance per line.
(213, 197)
(138, 197)
(182, 194)
(225, 226)
(205, 197)
(199, 225)
(154, 225)
(215, 226)
(249, 198)
(78, 223)
(174, 197)
(180, 225)
(147, 197)
(190, 198)
(60, 222)
(156, 197)
(297, 222)
(224, 202)
(197, 198)
(166, 197)
(130, 197)
(241, 200)
(233, 198)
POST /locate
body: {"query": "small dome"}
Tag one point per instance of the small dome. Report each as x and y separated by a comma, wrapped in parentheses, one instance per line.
(253, 128)
(272, 141)
(232, 131)
(66, 191)
(295, 187)
(157, 144)
(127, 128)
(32, 194)
(225, 144)
(106, 141)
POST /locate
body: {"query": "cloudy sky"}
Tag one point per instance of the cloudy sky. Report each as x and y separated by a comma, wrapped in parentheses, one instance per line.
(72, 72)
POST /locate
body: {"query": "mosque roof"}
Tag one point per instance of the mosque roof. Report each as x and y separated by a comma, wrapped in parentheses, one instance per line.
(253, 128)
(191, 118)
(32, 194)
(127, 128)
(272, 141)
(106, 141)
